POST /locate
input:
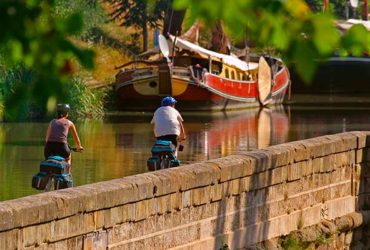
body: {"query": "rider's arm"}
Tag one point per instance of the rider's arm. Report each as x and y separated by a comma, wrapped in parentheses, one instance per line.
(75, 136)
(47, 133)
(182, 131)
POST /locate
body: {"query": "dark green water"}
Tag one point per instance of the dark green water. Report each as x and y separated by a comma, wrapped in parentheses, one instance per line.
(120, 145)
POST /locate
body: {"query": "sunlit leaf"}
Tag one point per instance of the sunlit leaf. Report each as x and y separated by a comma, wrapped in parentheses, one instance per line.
(325, 36)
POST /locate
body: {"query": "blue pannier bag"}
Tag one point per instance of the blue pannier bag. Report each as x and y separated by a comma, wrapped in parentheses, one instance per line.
(161, 147)
(55, 165)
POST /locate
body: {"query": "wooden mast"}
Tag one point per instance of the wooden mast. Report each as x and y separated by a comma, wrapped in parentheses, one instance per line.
(365, 13)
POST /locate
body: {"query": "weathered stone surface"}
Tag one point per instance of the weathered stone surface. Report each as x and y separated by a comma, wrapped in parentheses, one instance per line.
(164, 182)
(11, 239)
(257, 161)
(241, 199)
(207, 173)
(6, 217)
(232, 167)
(281, 155)
(200, 196)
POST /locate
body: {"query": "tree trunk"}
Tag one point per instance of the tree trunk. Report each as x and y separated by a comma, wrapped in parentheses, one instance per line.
(145, 37)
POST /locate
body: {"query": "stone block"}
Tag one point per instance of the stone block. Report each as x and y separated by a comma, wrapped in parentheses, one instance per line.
(256, 161)
(328, 163)
(317, 165)
(24, 212)
(340, 207)
(89, 222)
(152, 225)
(359, 155)
(151, 209)
(337, 141)
(143, 183)
(361, 138)
(216, 192)
(176, 201)
(186, 197)
(231, 167)
(11, 239)
(128, 212)
(232, 187)
(163, 204)
(141, 210)
(164, 182)
(256, 197)
(77, 243)
(275, 193)
(6, 217)
(99, 219)
(71, 201)
(120, 233)
(59, 230)
(107, 213)
(207, 173)
(350, 141)
(295, 171)
(116, 192)
(186, 179)
(282, 154)
(116, 214)
(75, 225)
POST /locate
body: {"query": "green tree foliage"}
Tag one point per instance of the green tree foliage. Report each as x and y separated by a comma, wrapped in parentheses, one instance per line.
(34, 37)
(288, 26)
(139, 14)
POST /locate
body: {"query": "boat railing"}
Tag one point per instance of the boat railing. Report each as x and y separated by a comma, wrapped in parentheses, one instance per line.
(145, 71)
(180, 71)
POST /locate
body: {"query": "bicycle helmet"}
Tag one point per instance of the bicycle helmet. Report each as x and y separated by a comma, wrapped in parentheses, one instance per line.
(168, 101)
(63, 108)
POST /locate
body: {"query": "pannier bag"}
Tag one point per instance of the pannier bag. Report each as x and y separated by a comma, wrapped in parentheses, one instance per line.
(154, 163)
(40, 180)
(62, 181)
(161, 149)
(55, 165)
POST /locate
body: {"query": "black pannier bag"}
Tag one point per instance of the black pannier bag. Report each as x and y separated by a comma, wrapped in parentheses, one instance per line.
(63, 181)
(40, 180)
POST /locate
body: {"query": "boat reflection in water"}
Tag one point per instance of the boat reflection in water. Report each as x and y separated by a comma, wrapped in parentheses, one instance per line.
(233, 132)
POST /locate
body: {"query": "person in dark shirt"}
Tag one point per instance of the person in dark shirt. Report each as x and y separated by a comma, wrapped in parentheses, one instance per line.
(57, 134)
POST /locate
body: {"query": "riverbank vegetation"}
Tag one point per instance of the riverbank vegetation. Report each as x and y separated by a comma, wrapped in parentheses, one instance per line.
(51, 51)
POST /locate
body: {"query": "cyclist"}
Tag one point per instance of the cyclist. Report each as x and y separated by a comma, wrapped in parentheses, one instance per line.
(57, 133)
(168, 123)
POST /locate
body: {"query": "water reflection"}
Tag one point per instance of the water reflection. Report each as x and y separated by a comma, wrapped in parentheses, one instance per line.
(121, 147)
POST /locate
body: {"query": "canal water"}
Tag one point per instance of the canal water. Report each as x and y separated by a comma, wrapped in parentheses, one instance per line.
(120, 145)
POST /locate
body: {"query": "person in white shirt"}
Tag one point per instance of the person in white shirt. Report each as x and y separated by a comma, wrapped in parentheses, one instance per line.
(168, 123)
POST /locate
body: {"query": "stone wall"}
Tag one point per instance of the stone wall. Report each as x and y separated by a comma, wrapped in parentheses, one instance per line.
(238, 200)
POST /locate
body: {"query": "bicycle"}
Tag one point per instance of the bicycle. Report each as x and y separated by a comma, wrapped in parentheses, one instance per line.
(54, 171)
(163, 156)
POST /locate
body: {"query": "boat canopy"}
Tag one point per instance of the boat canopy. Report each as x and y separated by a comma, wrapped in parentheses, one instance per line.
(226, 59)
(345, 25)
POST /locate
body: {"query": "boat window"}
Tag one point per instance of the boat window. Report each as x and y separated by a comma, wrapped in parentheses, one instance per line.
(232, 74)
(227, 73)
